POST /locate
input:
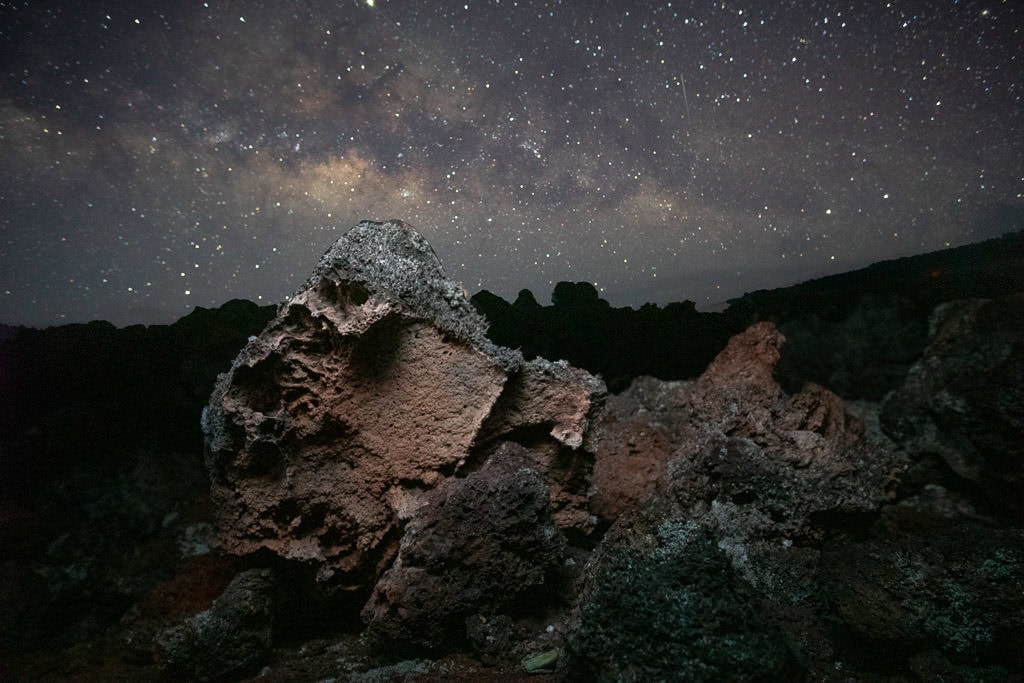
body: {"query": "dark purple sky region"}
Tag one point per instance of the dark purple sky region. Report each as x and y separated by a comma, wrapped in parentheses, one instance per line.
(156, 156)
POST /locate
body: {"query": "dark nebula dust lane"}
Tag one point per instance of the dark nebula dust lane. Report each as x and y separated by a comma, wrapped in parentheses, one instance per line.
(156, 158)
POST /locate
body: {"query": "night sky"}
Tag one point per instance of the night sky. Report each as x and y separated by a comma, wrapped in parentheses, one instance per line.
(157, 156)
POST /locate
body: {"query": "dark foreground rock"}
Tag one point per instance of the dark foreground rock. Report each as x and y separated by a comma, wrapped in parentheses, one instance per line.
(396, 498)
(230, 639)
(963, 401)
(668, 605)
(483, 544)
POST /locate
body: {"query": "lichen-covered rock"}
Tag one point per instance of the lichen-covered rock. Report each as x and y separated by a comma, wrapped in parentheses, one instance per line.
(663, 603)
(483, 544)
(963, 401)
(373, 385)
(931, 586)
(763, 477)
(231, 638)
(769, 475)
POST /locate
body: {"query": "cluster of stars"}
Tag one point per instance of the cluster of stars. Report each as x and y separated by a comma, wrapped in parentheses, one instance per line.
(158, 159)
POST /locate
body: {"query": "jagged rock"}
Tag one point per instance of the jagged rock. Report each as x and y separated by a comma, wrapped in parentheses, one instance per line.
(734, 436)
(745, 483)
(769, 473)
(373, 385)
(484, 544)
(963, 401)
(233, 637)
(737, 394)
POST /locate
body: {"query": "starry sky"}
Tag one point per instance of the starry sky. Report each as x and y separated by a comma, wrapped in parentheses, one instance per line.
(157, 156)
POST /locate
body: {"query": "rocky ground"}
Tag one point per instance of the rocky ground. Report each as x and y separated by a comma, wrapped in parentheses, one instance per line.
(387, 495)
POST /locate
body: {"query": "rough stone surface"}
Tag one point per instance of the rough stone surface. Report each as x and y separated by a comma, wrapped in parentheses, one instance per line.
(231, 638)
(633, 441)
(764, 469)
(931, 586)
(668, 606)
(486, 543)
(733, 437)
(743, 484)
(963, 401)
(373, 384)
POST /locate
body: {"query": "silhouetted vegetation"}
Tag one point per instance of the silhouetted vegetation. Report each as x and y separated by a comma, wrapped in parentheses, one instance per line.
(855, 333)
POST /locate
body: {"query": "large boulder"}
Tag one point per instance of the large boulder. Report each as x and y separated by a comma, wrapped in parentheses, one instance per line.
(374, 385)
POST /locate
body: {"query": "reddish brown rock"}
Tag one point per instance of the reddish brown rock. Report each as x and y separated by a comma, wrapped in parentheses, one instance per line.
(764, 464)
(747, 362)
(728, 473)
(373, 385)
(733, 442)
(633, 441)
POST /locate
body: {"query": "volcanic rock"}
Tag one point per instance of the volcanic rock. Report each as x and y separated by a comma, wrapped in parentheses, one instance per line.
(373, 385)
(486, 543)
(963, 401)
(763, 464)
(743, 483)
(734, 436)
(633, 440)
(665, 604)
(232, 637)
(930, 587)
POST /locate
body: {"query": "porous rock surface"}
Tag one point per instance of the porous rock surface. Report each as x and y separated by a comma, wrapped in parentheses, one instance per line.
(740, 481)
(373, 385)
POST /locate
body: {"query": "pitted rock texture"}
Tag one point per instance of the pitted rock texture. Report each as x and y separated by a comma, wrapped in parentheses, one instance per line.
(664, 604)
(741, 487)
(373, 385)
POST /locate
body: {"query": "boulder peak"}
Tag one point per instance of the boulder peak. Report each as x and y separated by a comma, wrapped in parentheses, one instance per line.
(399, 265)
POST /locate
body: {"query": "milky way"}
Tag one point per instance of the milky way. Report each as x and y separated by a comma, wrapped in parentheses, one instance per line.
(157, 159)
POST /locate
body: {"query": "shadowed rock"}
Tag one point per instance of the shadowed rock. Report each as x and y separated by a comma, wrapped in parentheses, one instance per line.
(488, 540)
(233, 637)
(963, 401)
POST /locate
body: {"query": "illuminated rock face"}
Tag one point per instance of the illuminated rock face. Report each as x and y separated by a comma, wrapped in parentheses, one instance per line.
(374, 385)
